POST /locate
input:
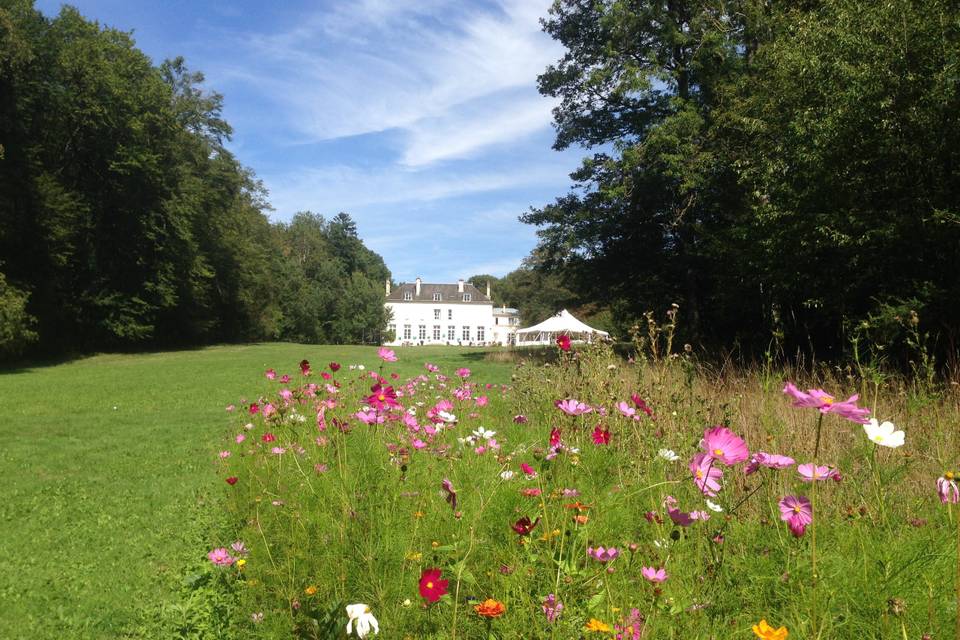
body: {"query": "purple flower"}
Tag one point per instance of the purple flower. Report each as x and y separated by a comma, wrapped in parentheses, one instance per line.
(552, 608)
(221, 557)
(797, 512)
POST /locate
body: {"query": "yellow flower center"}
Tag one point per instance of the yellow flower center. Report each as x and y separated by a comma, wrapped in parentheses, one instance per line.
(699, 474)
(366, 609)
(948, 475)
(878, 438)
(718, 452)
(381, 397)
(796, 508)
(828, 400)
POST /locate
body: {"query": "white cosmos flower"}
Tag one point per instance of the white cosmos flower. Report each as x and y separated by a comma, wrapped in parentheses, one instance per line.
(884, 433)
(713, 506)
(668, 455)
(361, 615)
(507, 475)
(446, 417)
(483, 433)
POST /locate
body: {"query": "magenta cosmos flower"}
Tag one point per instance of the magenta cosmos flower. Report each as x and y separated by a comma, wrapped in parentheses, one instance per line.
(725, 445)
(600, 436)
(810, 472)
(573, 407)
(947, 488)
(826, 403)
(706, 474)
(769, 460)
(655, 576)
(383, 397)
(797, 512)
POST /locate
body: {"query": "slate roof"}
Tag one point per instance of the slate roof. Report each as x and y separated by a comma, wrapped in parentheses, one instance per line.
(448, 293)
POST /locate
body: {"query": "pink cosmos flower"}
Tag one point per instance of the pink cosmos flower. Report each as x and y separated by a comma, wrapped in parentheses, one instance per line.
(231, 408)
(531, 492)
(527, 469)
(603, 555)
(769, 460)
(418, 443)
(447, 486)
(224, 454)
(810, 472)
(240, 438)
(637, 400)
(386, 355)
(706, 474)
(254, 408)
(600, 436)
(268, 437)
(278, 451)
(627, 410)
(221, 557)
(271, 374)
(797, 512)
(304, 367)
(268, 410)
(682, 518)
(382, 397)
(947, 488)
(481, 401)
(573, 407)
(724, 445)
(284, 378)
(369, 417)
(432, 368)
(239, 548)
(552, 608)
(826, 403)
(656, 576)
(286, 394)
(463, 372)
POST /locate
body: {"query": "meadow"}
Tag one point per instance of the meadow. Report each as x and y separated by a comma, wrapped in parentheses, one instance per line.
(110, 494)
(239, 492)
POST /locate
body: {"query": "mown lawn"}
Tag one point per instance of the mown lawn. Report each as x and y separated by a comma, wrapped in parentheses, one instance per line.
(108, 464)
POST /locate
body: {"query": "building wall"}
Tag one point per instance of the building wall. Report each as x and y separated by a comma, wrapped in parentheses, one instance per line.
(414, 315)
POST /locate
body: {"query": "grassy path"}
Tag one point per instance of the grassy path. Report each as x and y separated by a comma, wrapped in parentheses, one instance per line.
(107, 467)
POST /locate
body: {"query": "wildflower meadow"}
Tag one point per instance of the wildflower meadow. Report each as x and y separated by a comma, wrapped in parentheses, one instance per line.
(591, 496)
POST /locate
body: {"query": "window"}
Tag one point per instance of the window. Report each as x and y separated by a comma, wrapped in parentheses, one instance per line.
(408, 295)
(449, 314)
(451, 332)
(479, 334)
(467, 297)
(436, 332)
(423, 332)
(406, 332)
(437, 297)
(392, 328)
(436, 314)
(466, 332)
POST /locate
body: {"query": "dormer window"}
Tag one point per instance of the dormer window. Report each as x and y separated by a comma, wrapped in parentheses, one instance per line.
(437, 297)
(407, 295)
(467, 297)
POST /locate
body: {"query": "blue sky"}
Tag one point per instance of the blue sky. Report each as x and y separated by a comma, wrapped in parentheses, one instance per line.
(419, 118)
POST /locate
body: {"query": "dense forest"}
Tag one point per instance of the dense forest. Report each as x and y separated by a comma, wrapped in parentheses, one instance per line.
(787, 172)
(126, 223)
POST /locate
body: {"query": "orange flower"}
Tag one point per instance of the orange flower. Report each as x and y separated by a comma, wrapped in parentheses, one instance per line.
(581, 519)
(596, 625)
(490, 608)
(766, 632)
(579, 506)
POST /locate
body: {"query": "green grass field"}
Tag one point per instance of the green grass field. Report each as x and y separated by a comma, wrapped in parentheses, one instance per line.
(108, 465)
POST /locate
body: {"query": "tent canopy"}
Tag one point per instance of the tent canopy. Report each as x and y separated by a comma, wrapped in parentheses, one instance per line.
(560, 324)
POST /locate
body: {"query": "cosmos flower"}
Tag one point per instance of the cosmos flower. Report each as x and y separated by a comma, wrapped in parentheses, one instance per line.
(655, 576)
(820, 399)
(221, 557)
(810, 472)
(387, 355)
(334, 366)
(305, 367)
(600, 436)
(232, 480)
(563, 341)
(724, 445)
(361, 615)
(524, 526)
(463, 372)
(271, 374)
(797, 512)
(766, 632)
(706, 474)
(382, 397)
(451, 494)
(573, 407)
(603, 555)
(637, 400)
(490, 608)
(432, 588)
(769, 460)
(884, 434)
(668, 454)
(947, 488)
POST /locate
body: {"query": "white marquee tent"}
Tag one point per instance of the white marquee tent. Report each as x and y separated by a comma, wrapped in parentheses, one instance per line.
(561, 324)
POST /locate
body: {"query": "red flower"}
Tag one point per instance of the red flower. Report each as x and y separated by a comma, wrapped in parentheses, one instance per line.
(601, 436)
(554, 437)
(563, 341)
(431, 586)
(637, 400)
(334, 366)
(523, 526)
(268, 437)
(232, 480)
(305, 367)
(254, 408)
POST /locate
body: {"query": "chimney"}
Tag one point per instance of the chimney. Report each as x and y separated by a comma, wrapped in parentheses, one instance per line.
(388, 286)
(460, 285)
(418, 287)
(488, 288)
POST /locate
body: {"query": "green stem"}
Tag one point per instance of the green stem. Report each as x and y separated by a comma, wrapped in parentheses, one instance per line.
(816, 448)
(813, 556)
(958, 574)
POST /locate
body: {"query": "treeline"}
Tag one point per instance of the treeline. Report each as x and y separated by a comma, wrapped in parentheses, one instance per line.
(125, 222)
(788, 172)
